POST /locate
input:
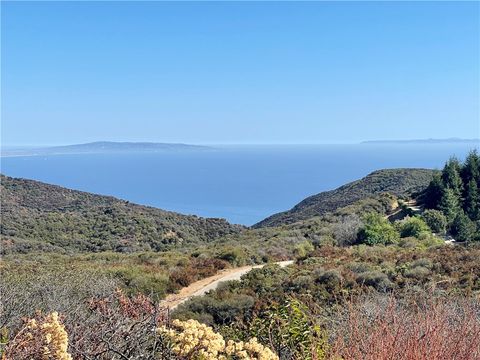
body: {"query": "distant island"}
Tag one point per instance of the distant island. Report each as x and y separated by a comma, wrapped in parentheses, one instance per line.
(424, 141)
(100, 147)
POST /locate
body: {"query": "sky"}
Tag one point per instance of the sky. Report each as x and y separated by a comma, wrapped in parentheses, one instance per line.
(238, 72)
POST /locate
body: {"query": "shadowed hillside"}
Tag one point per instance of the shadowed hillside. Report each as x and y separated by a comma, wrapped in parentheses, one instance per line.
(399, 182)
(38, 216)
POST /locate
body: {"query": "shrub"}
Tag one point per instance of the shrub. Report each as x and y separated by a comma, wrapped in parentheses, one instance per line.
(223, 311)
(331, 279)
(303, 249)
(435, 220)
(233, 255)
(418, 272)
(377, 230)
(463, 229)
(413, 226)
(431, 328)
(290, 329)
(42, 337)
(346, 230)
(194, 341)
(302, 283)
(377, 280)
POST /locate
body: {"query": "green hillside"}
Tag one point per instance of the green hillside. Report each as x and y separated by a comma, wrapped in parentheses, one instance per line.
(38, 216)
(399, 182)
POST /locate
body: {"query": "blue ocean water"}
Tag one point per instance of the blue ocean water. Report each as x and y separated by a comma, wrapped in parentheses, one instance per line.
(243, 184)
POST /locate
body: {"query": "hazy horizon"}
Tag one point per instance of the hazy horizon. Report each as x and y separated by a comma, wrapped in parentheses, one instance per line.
(449, 139)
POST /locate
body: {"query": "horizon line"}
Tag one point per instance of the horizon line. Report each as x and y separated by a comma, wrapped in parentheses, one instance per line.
(334, 142)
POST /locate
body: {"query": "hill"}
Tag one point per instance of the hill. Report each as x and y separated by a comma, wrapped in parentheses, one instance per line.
(39, 216)
(399, 182)
(100, 147)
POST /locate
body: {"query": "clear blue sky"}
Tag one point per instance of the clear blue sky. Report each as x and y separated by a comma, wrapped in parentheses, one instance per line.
(242, 72)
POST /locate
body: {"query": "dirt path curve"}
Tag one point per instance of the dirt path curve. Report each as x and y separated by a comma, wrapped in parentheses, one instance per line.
(201, 287)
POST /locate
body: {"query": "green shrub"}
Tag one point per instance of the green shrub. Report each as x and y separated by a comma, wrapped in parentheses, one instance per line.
(463, 229)
(331, 279)
(413, 226)
(375, 279)
(418, 272)
(435, 220)
(292, 331)
(377, 230)
(303, 249)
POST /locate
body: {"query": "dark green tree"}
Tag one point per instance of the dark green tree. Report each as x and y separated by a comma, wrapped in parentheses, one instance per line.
(471, 168)
(472, 200)
(449, 204)
(434, 193)
(451, 177)
(463, 229)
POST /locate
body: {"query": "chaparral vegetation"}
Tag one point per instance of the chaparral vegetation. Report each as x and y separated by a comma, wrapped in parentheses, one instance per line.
(387, 267)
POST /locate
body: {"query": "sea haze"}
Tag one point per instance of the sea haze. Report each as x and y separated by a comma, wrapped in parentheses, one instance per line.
(243, 184)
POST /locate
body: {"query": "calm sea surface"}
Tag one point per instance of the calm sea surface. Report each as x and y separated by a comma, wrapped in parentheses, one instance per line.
(243, 184)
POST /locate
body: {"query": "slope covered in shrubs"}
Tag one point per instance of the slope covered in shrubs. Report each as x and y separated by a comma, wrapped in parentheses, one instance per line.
(398, 182)
(42, 217)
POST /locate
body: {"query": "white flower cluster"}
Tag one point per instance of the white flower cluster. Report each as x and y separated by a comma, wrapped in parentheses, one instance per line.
(196, 341)
(53, 335)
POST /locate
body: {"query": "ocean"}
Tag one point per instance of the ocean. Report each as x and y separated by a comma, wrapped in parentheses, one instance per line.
(243, 184)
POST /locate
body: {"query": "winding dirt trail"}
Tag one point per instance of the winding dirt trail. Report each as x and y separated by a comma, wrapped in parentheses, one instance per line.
(201, 287)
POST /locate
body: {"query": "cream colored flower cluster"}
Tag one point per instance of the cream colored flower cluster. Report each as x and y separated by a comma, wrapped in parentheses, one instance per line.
(53, 336)
(196, 341)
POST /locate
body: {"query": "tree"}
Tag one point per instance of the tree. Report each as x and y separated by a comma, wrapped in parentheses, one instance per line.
(451, 176)
(463, 229)
(377, 230)
(413, 226)
(449, 205)
(472, 200)
(434, 192)
(471, 168)
(435, 220)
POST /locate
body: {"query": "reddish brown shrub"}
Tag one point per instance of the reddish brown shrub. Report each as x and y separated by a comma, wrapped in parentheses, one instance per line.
(196, 270)
(433, 329)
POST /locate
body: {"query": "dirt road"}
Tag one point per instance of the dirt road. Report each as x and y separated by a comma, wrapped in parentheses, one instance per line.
(201, 287)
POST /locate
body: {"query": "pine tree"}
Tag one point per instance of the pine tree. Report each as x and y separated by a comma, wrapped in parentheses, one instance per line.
(471, 168)
(451, 177)
(472, 200)
(434, 193)
(449, 204)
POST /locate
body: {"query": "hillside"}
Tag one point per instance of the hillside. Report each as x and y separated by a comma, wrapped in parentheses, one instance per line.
(38, 216)
(399, 182)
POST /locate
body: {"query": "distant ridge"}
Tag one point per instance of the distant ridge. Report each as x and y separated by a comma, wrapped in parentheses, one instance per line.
(424, 141)
(99, 147)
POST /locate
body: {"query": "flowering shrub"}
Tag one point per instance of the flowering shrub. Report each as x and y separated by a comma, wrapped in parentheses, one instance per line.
(43, 337)
(193, 340)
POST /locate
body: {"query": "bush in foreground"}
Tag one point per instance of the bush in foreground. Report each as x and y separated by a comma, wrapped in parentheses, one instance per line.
(384, 329)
